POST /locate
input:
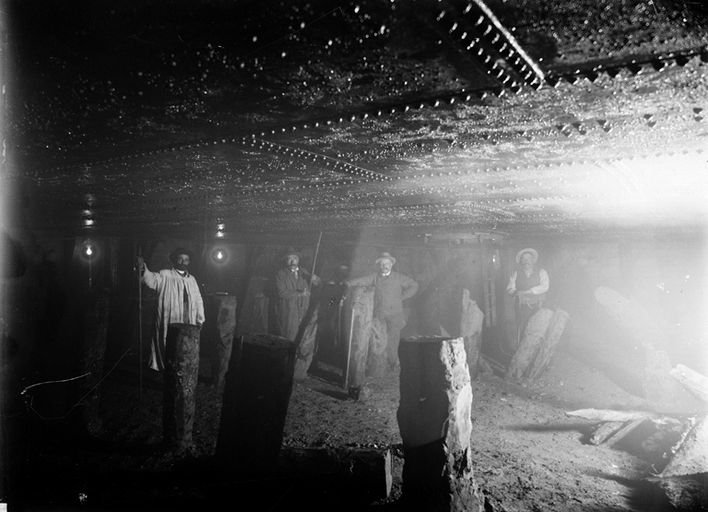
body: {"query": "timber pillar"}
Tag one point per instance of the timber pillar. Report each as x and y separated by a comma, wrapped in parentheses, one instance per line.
(225, 307)
(306, 338)
(255, 402)
(180, 383)
(95, 330)
(359, 309)
(435, 425)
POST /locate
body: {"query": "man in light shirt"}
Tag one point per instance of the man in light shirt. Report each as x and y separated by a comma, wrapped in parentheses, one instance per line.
(529, 285)
(178, 300)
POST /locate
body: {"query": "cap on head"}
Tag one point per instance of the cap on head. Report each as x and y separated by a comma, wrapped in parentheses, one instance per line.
(290, 252)
(528, 250)
(385, 256)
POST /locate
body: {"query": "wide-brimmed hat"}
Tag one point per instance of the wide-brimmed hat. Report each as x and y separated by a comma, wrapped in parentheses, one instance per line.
(385, 256)
(532, 252)
(177, 251)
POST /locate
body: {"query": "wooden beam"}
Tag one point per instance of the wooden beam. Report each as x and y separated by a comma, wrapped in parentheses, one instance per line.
(695, 382)
(255, 403)
(435, 424)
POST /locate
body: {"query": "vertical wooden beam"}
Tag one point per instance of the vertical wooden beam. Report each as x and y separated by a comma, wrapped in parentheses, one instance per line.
(306, 339)
(435, 425)
(255, 402)
(471, 331)
(531, 340)
(225, 306)
(180, 383)
(360, 308)
(93, 354)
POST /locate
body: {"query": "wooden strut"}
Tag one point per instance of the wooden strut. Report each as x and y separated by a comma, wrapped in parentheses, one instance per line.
(140, 329)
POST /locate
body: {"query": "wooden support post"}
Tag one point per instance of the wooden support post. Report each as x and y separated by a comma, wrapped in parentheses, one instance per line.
(255, 403)
(548, 345)
(225, 306)
(530, 343)
(471, 330)
(435, 425)
(180, 382)
(254, 312)
(360, 308)
(306, 343)
(92, 359)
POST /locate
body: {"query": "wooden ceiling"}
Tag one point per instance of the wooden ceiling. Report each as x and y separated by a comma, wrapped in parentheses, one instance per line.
(567, 117)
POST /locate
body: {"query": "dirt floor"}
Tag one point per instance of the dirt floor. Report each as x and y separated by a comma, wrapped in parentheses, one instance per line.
(528, 454)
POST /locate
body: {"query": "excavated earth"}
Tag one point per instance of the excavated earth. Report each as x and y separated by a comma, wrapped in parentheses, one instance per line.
(528, 454)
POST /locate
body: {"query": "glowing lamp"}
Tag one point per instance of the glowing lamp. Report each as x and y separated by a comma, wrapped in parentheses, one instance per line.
(88, 250)
(219, 255)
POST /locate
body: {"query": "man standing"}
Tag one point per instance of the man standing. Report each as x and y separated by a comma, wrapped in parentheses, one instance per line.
(178, 300)
(529, 286)
(390, 290)
(293, 295)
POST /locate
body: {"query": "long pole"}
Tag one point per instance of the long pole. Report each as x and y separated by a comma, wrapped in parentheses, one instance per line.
(314, 260)
(349, 348)
(140, 329)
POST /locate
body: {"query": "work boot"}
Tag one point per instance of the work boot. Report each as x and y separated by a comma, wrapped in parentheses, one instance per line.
(354, 392)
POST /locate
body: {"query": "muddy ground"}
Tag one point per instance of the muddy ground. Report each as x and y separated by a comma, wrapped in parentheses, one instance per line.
(528, 454)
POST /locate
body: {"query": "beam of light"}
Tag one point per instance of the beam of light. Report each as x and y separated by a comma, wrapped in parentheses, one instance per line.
(668, 190)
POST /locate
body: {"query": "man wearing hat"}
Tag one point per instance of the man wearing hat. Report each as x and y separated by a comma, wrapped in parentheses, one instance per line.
(178, 300)
(293, 295)
(529, 285)
(390, 290)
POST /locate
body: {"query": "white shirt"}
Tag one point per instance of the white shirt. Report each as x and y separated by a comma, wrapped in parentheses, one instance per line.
(539, 289)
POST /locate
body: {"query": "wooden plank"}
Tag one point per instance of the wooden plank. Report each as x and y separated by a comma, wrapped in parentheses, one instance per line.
(493, 363)
(695, 382)
(604, 431)
(691, 455)
(611, 415)
(624, 431)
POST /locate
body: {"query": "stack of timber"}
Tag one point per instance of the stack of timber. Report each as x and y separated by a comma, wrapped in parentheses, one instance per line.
(684, 459)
